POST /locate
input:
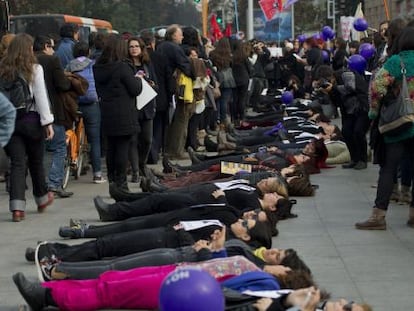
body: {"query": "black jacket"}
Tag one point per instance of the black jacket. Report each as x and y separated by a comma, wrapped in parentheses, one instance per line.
(163, 80)
(56, 82)
(175, 59)
(117, 89)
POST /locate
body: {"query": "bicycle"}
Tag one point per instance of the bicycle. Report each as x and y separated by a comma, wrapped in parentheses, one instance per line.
(77, 150)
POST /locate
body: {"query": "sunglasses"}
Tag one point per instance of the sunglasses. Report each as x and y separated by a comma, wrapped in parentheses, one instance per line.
(245, 224)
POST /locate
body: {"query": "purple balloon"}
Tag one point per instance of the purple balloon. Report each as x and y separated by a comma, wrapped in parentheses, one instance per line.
(287, 97)
(325, 56)
(301, 38)
(328, 36)
(317, 36)
(183, 289)
(360, 24)
(327, 31)
(357, 63)
(367, 50)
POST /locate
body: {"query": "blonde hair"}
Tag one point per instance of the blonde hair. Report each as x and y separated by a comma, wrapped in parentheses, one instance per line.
(19, 59)
(5, 42)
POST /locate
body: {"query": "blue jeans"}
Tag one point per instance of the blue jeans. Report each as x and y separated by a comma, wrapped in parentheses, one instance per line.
(91, 114)
(58, 147)
(223, 102)
(26, 141)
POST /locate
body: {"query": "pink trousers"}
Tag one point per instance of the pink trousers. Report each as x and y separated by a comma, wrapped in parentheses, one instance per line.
(132, 289)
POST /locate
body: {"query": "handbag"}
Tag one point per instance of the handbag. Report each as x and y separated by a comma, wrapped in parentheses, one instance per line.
(397, 115)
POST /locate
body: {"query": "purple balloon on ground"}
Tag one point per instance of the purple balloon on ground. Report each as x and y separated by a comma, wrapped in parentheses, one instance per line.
(367, 50)
(190, 289)
(360, 24)
(287, 97)
(357, 63)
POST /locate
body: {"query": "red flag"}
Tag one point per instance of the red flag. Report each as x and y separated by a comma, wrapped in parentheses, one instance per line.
(228, 31)
(271, 7)
(215, 28)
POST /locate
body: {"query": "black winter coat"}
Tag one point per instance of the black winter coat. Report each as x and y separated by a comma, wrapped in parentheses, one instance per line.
(175, 59)
(117, 89)
(56, 82)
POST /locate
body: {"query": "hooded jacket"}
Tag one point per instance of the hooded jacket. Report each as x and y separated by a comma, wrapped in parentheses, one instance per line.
(117, 89)
(83, 67)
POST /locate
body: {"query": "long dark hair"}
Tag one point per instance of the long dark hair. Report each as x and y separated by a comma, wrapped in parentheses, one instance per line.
(144, 57)
(395, 27)
(406, 40)
(19, 59)
(221, 55)
(115, 50)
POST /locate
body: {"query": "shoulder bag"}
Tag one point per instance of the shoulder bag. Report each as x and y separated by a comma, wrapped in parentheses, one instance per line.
(397, 115)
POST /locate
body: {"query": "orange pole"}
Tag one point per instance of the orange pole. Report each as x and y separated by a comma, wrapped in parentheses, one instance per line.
(387, 11)
(204, 16)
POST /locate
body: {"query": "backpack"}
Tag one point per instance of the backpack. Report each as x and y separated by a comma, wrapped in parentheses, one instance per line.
(18, 93)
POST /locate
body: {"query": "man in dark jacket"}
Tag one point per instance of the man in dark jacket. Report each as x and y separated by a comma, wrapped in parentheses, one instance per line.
(70, 35)
(56, 82)
(176, 59)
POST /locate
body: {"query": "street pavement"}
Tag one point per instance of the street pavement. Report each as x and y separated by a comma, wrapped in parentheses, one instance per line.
(371, 266)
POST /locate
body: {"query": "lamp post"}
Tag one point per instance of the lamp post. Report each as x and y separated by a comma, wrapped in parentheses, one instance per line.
(204, 16)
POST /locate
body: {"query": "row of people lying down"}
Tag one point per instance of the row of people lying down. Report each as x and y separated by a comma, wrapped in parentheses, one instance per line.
(233, 263)
(177, 232)
(292, 129)
(291, 165)
(137, 279)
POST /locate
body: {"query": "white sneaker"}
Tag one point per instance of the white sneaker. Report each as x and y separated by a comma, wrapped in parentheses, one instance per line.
(99, 179)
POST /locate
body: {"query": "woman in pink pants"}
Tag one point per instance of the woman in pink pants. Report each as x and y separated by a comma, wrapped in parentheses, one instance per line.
(132, 289)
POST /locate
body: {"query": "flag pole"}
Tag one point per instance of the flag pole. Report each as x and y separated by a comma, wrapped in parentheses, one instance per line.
(387, 11)
(204, 16)
(236, 16)
(292, 10)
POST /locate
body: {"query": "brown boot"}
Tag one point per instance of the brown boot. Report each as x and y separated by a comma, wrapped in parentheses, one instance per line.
(410, 222)
(405, 195)
(395, 195)
(375, 222)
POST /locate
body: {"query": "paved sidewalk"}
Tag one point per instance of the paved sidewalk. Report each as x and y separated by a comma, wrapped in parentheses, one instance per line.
(372, 266)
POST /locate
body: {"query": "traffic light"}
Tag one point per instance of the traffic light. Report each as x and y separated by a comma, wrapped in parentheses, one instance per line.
(219, 17)
(344, 8)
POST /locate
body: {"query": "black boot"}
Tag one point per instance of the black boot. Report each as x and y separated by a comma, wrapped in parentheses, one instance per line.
(193, 155)
(33, 293)
(102, 209)
(30, 254)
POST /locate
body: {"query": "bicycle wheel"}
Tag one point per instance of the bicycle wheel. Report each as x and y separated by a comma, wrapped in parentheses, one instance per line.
(83, 149)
